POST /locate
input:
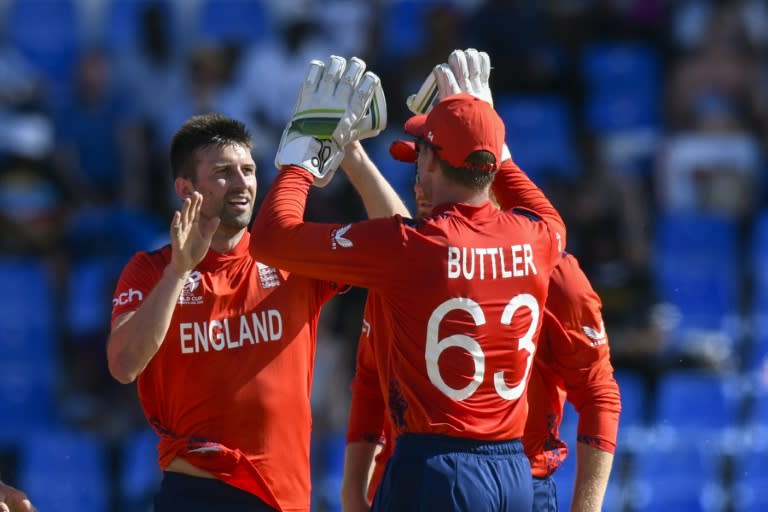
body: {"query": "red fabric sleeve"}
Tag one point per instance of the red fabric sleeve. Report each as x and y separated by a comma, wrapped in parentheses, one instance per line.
(136, 282)
(362, 254)
(582, 356)
(514, 189)
(367, 411)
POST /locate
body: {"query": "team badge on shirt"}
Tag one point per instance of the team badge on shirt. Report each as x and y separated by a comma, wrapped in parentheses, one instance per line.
(190, 293)
(268, 276)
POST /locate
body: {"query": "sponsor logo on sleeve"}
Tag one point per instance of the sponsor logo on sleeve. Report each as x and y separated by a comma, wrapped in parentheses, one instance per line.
(598, 337)
(337, 238)
(127, 297)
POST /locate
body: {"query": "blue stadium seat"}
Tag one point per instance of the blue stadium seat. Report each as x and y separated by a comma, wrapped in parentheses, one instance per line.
(618, 111)
(28, 345)
(622, 104)
(696, 265)
(48, 32)
(327, 469)
(633, 399)
(403, 26)
(240, 22)
(64, 471)
(608, 66)
(27, 317)
(677, 476)
(27, 397)
(91, 233)
(539, 134)
(139, 473)
(697, 403)
(89, 296)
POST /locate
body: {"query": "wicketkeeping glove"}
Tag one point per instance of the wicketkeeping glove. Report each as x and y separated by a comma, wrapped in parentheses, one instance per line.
(339, 102)
(466, 71)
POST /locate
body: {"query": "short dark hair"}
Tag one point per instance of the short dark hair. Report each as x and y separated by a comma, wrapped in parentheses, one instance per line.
(202, 131)
(468, 176)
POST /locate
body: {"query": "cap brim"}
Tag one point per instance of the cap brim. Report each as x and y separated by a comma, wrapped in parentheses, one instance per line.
(416, 126)
(404, 151)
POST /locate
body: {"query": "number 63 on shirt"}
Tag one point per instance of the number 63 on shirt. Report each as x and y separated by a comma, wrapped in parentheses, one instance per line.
(436, 346)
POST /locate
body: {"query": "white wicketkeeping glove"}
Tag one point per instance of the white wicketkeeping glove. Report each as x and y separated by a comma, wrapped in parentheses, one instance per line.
(339, 102)
(467, 71)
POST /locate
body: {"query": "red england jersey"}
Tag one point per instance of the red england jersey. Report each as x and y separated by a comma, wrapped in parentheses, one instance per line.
(462, 296)
(229, 388)
(573, 362)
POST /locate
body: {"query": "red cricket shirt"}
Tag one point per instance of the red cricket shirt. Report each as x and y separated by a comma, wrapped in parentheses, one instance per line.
(229, 388)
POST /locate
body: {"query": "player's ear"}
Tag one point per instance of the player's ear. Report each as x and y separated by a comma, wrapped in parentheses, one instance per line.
(183, 188)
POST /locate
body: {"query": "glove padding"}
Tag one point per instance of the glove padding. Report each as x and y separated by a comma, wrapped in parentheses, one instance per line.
(339, 102)
(467, 71)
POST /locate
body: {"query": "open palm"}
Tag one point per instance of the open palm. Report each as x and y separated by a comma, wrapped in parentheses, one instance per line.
(191, 235)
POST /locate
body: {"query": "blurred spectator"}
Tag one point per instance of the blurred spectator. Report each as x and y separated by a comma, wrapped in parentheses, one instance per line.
(690, 20)
(403, 73)
(264, 77)
(357, 37)
(25, 126)
(31, 207)
(100, 155)
(722, 61)
(714, 165)
(151, 71)
(519, 36)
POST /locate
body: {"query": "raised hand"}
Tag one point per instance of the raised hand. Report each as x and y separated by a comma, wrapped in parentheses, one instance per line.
(13, 500)
(191, 235)
(466, 71)
(339, 102)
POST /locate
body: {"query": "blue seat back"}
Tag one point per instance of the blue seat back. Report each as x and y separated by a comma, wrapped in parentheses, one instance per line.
(539, 134)
(49, 33)
(64, 471)
(239, 22)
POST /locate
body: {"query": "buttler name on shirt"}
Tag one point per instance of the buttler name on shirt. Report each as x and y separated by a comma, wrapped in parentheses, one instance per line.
(490, 262)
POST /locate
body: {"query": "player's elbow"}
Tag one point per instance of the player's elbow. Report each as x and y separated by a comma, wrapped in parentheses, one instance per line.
(120, 370)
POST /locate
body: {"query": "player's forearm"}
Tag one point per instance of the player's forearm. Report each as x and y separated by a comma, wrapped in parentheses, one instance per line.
(593, 468)
(379, 198)
(358, 468)
(275, 227)
(134, 342)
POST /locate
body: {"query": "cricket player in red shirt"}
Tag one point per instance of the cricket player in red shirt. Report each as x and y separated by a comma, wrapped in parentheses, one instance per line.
(572, 359)
(462, 293)
(222, 344)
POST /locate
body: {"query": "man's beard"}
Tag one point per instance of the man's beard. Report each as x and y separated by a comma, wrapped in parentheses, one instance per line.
(235, 220)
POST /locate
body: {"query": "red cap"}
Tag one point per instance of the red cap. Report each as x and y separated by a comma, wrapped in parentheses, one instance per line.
(456, 127)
